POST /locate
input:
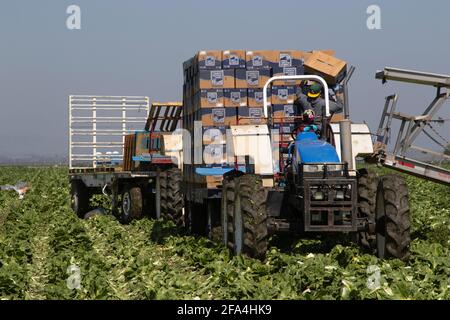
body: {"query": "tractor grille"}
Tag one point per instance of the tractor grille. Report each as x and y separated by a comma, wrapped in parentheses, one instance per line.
(330, 204)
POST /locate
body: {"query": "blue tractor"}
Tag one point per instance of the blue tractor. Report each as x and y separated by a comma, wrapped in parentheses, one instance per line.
(308, 186)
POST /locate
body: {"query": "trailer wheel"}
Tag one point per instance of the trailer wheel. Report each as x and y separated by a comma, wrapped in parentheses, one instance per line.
(245, 203)
(79, 198)
(131, 204)
(173, 197)
(367, 194)
(392, 218)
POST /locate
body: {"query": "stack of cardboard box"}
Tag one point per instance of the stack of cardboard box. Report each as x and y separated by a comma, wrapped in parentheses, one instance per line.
(223, 88)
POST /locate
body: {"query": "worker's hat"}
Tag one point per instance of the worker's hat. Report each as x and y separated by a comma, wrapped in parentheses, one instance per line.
(314, 90)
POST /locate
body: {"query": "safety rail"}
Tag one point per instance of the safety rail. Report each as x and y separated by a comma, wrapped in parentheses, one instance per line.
(98, 125)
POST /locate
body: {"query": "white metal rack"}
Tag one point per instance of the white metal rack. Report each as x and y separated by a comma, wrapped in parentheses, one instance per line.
(103, 121)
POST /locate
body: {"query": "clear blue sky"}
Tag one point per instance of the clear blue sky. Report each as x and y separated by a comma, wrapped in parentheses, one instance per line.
(137, 48)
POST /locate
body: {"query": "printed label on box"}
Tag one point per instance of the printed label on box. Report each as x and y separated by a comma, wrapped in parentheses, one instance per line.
(212, 97)
(289, 111)
(255, 112)
(214, 135)
(253, 78)
(217, 78)
(285, 60)
(292, 71)
(259, 97)
(233, 60)
(210, 61)
(283, 94)
(257, 61)
(235, 96)
(214, 154)
(218, 115)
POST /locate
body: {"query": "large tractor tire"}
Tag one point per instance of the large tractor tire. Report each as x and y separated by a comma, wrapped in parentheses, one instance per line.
(244, 216)
(163, 193)
(131, 204)
(173, 207)
(392, 218)
(80, 197)
(367, 194)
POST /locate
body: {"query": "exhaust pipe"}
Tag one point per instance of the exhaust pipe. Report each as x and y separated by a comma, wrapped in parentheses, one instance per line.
(345, 132)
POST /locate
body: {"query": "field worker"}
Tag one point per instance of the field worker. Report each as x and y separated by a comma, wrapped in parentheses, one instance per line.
(313, 100)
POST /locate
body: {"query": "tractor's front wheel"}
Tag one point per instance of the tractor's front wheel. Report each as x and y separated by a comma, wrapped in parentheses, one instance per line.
(392, 218)
(367, 194)
(244, 216)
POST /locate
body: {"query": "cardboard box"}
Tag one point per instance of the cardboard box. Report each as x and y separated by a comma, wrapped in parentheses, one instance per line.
(251, 115)
(251, 78)
(233, 59)
(307, 54)
(284, 132)
(209, 98)
(218, 116)
(214, 135)
(211, 79)
(255, 97)
(287, 71)
(235, 97)
(330, 68)
(211, 59)
(214, 154)
(283, 113)
(283, 94)
(260, 59)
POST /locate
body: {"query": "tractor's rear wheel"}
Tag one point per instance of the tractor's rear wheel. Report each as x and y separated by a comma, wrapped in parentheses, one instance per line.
(131, 204)
(79, 198)
(367, 194)
(173, 202)
(392, 218)
(244, 216)
(163, 193)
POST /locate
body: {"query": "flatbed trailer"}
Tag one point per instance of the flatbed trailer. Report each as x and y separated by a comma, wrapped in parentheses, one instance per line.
(135, 183)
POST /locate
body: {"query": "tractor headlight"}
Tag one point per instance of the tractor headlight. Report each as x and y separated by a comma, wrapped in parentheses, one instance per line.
(312, 168)
(318, 195)
(340, 195)
(318, 168)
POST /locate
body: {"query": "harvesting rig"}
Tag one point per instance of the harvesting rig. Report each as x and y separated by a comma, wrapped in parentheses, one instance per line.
(309, 185)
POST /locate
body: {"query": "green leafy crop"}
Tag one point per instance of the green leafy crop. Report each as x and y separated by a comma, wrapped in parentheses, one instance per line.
(40, 238)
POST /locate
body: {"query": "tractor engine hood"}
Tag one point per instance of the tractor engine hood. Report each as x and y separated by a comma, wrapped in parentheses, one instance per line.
(312, 150)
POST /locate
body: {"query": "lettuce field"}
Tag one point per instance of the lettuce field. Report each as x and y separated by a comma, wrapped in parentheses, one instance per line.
(42, 242)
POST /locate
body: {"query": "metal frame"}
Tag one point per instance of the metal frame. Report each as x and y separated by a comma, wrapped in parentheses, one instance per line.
(330, 205)
(411, 126)
(117, 105)
(164, 117)
(298, 77)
